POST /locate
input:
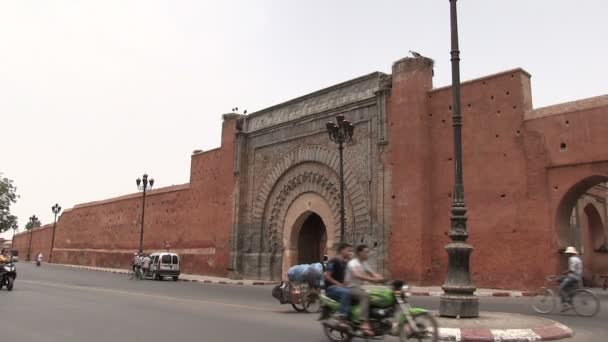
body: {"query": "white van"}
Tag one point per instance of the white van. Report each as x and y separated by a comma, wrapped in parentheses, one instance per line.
(164, 264)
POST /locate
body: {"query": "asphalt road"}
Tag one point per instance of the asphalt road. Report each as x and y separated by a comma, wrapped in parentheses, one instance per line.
(53, 303)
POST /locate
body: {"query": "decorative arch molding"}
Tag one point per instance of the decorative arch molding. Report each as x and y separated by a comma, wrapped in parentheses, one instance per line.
(312, 168)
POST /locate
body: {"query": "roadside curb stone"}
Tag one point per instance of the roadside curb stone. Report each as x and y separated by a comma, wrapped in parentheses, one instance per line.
(549, 333)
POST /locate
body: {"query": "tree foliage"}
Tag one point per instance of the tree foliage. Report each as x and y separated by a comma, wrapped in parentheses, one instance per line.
(8, 196)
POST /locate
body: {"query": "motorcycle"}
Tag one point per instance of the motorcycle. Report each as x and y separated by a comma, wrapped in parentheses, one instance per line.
(389, 314)
(8, 274)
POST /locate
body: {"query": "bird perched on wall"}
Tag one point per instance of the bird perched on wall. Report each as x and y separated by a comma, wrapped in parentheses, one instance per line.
(432, 62)
(235, 109)
(415, 54)
(245, 112)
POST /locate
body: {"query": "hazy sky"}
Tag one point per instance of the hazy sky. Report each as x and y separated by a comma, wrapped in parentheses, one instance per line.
(95, 93)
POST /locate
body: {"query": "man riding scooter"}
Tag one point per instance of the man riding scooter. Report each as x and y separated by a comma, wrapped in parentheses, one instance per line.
(358, 271)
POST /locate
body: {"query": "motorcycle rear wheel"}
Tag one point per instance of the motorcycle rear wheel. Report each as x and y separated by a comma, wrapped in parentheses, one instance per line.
(335, 335)
(10, 282)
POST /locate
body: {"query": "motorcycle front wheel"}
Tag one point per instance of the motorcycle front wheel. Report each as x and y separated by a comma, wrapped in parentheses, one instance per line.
(427, 327)
(335, 335)
(10, 282)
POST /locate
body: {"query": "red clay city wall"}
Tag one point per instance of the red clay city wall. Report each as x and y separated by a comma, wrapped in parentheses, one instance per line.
(524, 169)
(512, 187)
(41, 242)
(196, 218)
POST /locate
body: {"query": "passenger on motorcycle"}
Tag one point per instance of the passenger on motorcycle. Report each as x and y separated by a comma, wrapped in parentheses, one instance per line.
(334, 279)
(572, 276)
(358, 271)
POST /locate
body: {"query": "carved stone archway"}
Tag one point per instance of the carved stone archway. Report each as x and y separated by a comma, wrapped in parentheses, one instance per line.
(266, 209)
(310, 169)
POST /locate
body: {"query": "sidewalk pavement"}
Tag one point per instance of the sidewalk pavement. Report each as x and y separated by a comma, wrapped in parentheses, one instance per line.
(427, 291)
(498, 326)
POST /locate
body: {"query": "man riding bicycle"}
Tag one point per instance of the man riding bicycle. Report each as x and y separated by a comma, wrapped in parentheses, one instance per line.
(572, 277)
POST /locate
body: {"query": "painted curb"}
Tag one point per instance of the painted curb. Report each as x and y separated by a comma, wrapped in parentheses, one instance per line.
(553, 332)
(479, 294)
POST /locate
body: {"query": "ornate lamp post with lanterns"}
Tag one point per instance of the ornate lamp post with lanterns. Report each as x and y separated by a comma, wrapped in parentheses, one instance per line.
(341, 133)
(56, 209)
(145, 185)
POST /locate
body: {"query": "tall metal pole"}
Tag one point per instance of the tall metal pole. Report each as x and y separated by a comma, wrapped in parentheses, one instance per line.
(142, 184)
(143, 211)
(341, 133)
(53, 240)
(13, 240)
(458, 299)
(341, 149)
(29, 249)
(56, 209)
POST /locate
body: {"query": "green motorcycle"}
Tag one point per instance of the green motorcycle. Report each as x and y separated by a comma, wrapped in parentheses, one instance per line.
(389, 314)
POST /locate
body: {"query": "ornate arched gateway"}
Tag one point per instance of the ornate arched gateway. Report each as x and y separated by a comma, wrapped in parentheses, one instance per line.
(305, 182)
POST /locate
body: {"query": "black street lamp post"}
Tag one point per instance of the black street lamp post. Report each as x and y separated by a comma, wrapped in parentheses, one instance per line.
(143, 184)
(14, 226)
(341, 134)
(458, 299)
(56, 209)
(33, 219)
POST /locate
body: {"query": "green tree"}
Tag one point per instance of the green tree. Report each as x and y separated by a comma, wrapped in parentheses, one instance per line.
(8, 196)
(32, 224)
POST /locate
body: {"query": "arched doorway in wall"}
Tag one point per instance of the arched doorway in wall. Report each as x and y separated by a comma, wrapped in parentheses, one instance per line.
(568, 213)
(309, 231)
(580, 222)
(312, 240)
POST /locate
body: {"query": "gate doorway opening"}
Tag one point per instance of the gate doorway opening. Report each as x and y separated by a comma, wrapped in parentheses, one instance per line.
(582, 222)
(312, 240)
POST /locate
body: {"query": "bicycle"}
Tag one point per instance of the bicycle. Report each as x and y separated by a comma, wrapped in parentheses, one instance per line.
(583, 301)
(138, 274)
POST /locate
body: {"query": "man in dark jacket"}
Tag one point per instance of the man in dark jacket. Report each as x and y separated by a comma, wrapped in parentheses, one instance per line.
(334, 279)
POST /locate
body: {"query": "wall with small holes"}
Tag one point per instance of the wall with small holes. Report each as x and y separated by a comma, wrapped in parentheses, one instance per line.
(520, 164)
